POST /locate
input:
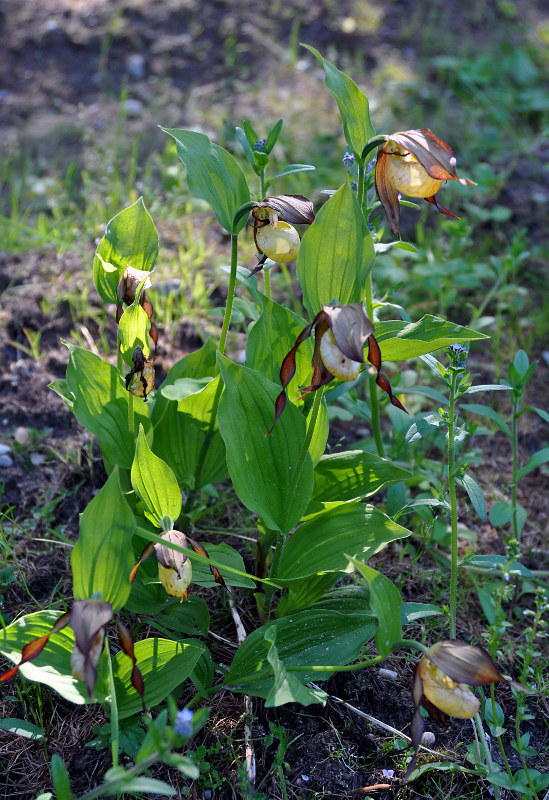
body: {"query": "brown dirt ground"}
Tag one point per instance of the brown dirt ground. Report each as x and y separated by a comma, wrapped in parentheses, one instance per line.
(60, 62)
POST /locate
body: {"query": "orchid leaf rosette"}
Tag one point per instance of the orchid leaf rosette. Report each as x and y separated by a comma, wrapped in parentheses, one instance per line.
(414, 163)
(341, 333)
(273, 221)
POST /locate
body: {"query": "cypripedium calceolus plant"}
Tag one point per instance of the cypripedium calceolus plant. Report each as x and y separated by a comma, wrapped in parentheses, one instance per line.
(88, 619)
(341, 333)
(414, 163)
(274, 236)
(441, 684)
(174, 567)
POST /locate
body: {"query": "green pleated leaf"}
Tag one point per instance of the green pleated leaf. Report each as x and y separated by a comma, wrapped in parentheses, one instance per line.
(386, 604)
(321, 543)
(101, 404)
(102, 558)
(164, 665)
(191, 617)
(352, 103)
(155, 483)
(400, 340)
(213, 175)
(130, 240)
(132, 332)
(271, 339)
(354, 474)
(181, 439)
(52, 666)
(262, 467)
(308, 638)
(287, 688)
(336, 253)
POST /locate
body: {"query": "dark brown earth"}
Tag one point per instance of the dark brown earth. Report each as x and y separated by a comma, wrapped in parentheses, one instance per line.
(63, 64)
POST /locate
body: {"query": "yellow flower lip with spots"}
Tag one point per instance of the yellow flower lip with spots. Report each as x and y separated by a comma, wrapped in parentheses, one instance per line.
(414, 163)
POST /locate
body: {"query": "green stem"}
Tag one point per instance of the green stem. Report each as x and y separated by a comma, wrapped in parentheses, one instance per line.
(499, 738)
(114, 710)
(266, 273)
(453, 504)
(374, 404)
(267, 277)
(230, 295)
(130, 414)
(516, 532)
(360, 185)
(487, 754)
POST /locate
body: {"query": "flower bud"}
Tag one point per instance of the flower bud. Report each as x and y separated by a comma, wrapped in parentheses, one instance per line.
(174, 567)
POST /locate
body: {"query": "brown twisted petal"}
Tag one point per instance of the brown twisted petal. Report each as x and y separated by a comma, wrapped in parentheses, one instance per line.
(287, 370)
(294, 208)
(374, 357)
(126, 640)
(147, 552)
(197, 547)
(34, 648)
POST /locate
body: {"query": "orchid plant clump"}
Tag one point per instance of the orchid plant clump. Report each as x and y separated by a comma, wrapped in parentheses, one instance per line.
(255, 423)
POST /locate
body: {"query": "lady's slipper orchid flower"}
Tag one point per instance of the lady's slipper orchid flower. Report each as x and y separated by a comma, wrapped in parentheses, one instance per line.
(274, 237)
(140, 379)
(174, 567)
(341, 333)
(88, 619)
(126, 291)
(414, 163)
(441, 680)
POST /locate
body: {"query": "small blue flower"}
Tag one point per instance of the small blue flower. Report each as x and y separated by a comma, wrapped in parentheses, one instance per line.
(348, 159)
(388, 773)
(259, 146)
(354, 186)
(183, 722)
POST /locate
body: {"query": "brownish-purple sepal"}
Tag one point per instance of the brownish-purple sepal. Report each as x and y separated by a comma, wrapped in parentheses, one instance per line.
(388, 195)
(293, 208)
(465, 663)
(33, 649)
(434, 155)
(147, 552)
(261, 259)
